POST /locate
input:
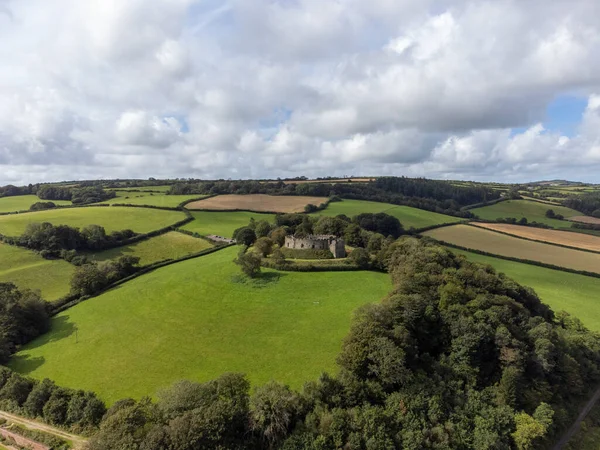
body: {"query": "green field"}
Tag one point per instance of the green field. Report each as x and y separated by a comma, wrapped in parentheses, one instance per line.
(170, 245)
(533, 211)
(23, 202)
(477, 238)
(198, 319)
(576, 294)
(140, 198)
(409, 217)
(223, 223)
(113, 218)
(28, 270)
(164, 188)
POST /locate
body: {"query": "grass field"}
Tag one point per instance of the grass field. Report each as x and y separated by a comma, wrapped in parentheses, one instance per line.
(257, 202)
(409, 217)
(533, 211)
(586, 219)
(576, 294)
(113, 218)
(567, 238)
(28, 270)
(23, 202)
(170, 245)
(164, 188)
(499, 244)
(198, 319)
(223, 223)
(139, 198)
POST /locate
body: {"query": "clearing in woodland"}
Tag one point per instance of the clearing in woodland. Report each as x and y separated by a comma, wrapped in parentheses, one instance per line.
(499, 244)
(257, 202)
(577, 240)
(408, 217)
(562, 291)
(113, 218)
(28, 270)
(223, 223)
(198, 319)
(531, 210)
(23, 202)
(170, 245)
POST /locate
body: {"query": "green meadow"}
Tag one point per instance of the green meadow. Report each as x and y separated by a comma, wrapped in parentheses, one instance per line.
(576, 294)
(113, 218)
(170, 245)
(28, 270)
(23, 202)
(198, 319)
(223, 223)
(409, 217)
(152, 199)
(533, 211)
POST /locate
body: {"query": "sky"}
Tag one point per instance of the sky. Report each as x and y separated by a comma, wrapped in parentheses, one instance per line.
(449, 89)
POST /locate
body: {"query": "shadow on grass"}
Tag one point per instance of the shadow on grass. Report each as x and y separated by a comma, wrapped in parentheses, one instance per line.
(263, 279)
(25, 364)
(60, 329)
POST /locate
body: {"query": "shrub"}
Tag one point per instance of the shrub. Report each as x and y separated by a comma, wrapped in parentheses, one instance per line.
(249, 263)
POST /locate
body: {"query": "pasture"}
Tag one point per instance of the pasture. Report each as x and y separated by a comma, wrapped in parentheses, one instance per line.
(499, 244)
(198, 319)
(170, 245)
(576, 294)
(222, 223)
(257, 202)
(152, 199)
(409, 217)
(533, 211)
(577, 240)
(113, 218)
(163, 188)
(585, 219)
(28, 270)
(23, 202)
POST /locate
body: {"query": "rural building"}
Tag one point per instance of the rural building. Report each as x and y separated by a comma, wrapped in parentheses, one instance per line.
(336, 245)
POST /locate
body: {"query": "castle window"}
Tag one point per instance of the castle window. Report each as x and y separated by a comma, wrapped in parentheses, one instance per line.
(313, 245)
(301, 245)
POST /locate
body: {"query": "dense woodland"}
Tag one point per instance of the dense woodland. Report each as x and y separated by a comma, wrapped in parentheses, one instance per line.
(588, 203)
(456, 357)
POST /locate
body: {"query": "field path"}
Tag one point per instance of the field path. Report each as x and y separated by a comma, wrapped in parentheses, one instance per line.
(575, 427)
(78, 441)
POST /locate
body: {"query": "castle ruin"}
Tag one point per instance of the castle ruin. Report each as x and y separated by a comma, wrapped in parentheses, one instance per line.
(334, 244)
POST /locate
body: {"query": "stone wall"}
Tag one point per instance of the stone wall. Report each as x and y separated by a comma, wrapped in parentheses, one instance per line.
(336, 245)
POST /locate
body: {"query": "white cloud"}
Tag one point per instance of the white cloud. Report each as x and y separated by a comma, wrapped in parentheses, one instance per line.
(304, 87)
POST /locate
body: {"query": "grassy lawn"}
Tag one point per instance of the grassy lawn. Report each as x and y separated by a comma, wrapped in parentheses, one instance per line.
(499, 244)
(223, 223)
(171, 245)
(141, 198)
(576, 294)
(409, 217)
(113, 218)
(198, 319)
(533, 211)
(28, 270)
(23, 202)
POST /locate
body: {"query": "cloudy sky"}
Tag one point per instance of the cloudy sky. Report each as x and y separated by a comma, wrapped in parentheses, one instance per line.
(480, 90)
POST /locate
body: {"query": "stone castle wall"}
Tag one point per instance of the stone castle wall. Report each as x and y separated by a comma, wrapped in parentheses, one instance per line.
(334, 244)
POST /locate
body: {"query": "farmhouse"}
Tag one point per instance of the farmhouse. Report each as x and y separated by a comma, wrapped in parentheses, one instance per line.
(336, 245)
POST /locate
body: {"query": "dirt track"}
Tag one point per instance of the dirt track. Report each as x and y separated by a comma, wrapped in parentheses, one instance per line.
(78, 441)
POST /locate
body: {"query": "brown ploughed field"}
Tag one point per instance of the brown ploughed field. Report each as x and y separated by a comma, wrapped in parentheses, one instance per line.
(570, 239)
(585, 219)
(256, 202)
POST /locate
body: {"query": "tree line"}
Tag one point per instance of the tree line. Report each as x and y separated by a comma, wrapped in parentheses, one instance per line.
(80, 195)
(457, 356)
(588, 203)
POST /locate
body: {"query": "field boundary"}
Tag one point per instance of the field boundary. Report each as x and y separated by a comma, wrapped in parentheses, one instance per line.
(534, 240)
(482, 204)
(27, 211)
(439, 225)
(510, 258)
(68, 302)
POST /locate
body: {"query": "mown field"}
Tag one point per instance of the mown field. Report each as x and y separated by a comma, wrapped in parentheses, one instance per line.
(23, 202)
(28, 270)
(576, 294)
(533, 211)
(170, 245)
(223, 223)
(152, 199)
(499, 244)
(163, 188)
(113, 218)
(198, 319)
(409, 217)
(257, 202)
(567, 238)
